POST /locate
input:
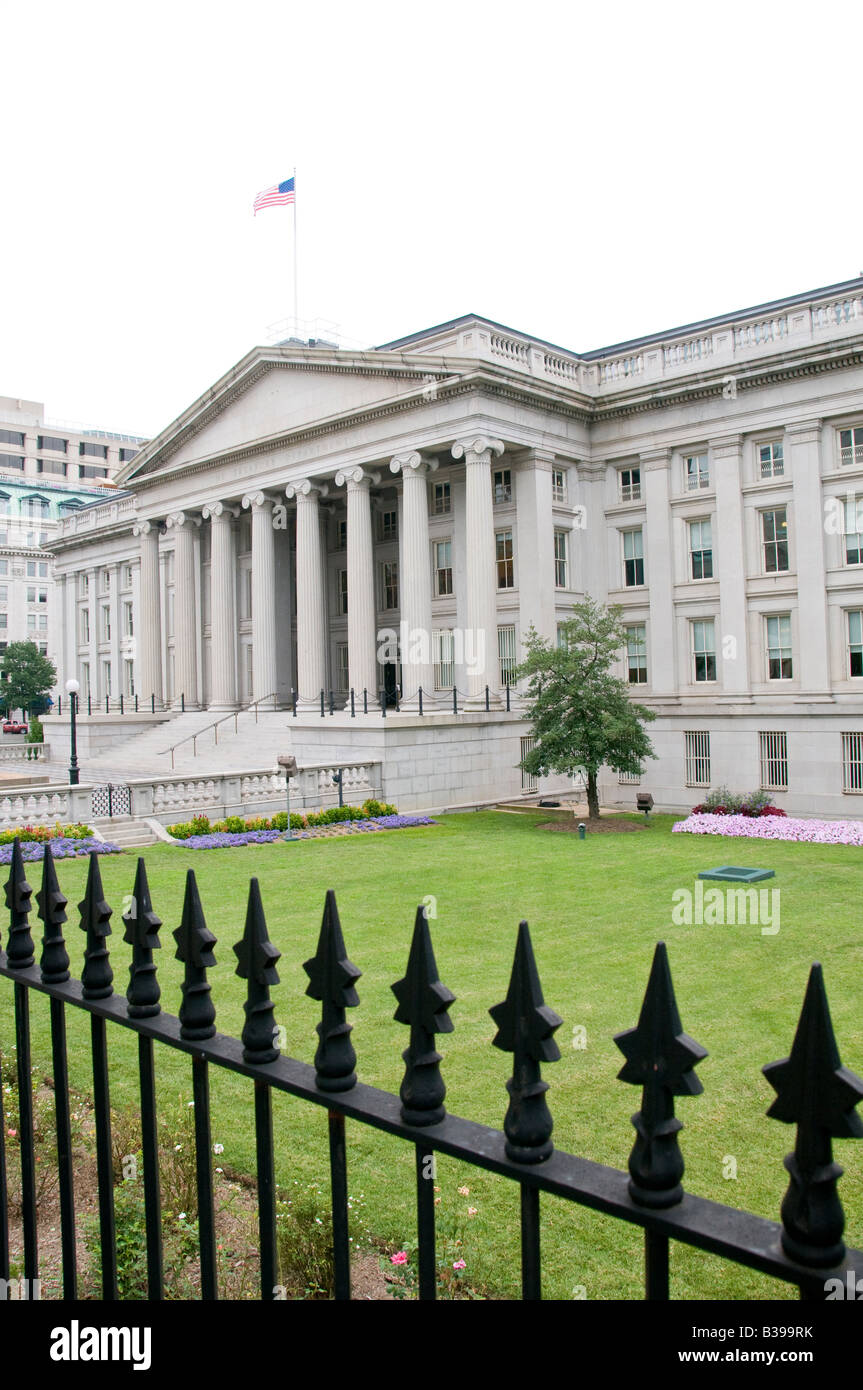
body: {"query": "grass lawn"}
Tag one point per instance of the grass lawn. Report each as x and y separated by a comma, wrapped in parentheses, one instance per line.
(596, 910)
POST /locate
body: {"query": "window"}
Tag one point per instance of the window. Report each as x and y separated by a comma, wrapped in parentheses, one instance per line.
(105, 618)
(128, 621)
(342, 668)
(51, 466)
(560, 578)
(342, 591)
(529, 782)
(562, 639)
(41, 595)
(13, 437)
(774, 761)
(106, 679)
(5, 504)
(558, 485)
(388, 526)
(630, 484)
(697, 759)
(126, 456)
(83, 585)
(697, 472)
(50, 441)
(774, 530)
(505, 568)
(4, 566)
(90, 470)
(35, 508)
(105, 581)
(636, 654)
(127, 576)
(700, 550)
(851, 445)
(442, 568)
(12, 461)
(43, 622)
(502, 485)
(341, 535)
(855, 643)
(93, 451)
(390, 584)
(35, 568)
(771, 460)
(129, 677)
(633, 559)
(852, 762)
(4, 593)
(779, 664)
(85, 625)
(704, 650)
(444, 659)
(31, 595)
(506, 654)
(31, 622)
(441, 499)
(854, 531)
(4, 621)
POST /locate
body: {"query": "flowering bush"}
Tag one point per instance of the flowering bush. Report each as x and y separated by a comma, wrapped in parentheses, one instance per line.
(221, 839)
(722, 802)
(831, 832)
(236, 825)
(60, 849)
(452, 1282)
(40, 833)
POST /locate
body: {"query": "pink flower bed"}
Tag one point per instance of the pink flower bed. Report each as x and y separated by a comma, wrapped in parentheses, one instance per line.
(818, 832)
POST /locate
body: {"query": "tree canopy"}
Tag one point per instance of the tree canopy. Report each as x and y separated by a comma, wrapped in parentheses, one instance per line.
(26, 677)
(582, 714)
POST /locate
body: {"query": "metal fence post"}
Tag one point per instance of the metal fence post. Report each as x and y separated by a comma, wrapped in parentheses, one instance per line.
(454, 701)
(353, 711)
(421, 699)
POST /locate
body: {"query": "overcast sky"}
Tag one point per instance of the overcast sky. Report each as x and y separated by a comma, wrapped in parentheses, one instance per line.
(583, 173)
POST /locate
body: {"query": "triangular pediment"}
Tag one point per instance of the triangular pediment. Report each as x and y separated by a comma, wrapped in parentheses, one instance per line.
(272, 394)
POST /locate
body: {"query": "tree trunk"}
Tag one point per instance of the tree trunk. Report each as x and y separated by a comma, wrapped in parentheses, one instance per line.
(592, 797)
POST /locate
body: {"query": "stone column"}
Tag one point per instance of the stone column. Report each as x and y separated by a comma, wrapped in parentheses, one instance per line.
(223, 618)
(264, 671)
(729, 564)
(806, 526)
(311, 650)
(362, 651)
(657, 572)
(93, 601)
(415, 590)
(536, 593)
(185, 612)
(148, 625)
(114, 610)
(481, 606)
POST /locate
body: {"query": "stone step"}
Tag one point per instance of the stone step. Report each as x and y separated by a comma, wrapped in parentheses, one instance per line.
(124, 832)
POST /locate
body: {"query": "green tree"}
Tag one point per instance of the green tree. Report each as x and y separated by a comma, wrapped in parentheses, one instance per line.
(582, 715)
(26, 676)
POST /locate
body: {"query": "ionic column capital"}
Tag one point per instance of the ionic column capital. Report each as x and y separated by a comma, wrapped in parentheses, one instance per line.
(147, 528)
(305, 488)
(356, 477)
(212, 510)
(413, 463)
(257, 499)
(177, 520)
(477, 449)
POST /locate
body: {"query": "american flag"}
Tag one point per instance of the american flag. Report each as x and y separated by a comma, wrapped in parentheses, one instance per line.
(276, 196)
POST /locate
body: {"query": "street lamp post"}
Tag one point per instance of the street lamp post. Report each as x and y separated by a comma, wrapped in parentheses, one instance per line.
(72, 687)
(289, 764)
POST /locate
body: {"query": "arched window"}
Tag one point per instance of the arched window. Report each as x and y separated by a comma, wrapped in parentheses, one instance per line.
(36, 508)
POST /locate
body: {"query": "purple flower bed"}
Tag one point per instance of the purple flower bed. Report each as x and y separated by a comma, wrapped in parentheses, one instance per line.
(817, 832)
(226, 840)
(60, 849)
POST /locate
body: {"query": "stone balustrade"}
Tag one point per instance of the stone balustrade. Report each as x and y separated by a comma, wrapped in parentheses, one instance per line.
(25, 752)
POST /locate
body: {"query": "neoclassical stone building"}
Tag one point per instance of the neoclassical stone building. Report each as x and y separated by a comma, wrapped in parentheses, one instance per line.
(331, 520)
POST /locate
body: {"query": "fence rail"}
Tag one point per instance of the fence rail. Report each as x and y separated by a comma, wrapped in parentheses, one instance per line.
(813, 1091)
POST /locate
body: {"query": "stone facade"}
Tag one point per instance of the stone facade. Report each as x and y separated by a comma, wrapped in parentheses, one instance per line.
(328, 520)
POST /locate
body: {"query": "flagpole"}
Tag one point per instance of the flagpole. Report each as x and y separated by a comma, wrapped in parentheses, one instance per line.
(296, 307)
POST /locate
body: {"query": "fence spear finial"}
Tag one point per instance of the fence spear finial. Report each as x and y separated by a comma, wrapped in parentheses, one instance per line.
(819, 1095)
(422, 1003)
(54, 963)
(256, 963)
(20, 951)
(332, 978)
(660, 1058)
(525, 1026)
(195, 949)
(97, 975)
(142, 934)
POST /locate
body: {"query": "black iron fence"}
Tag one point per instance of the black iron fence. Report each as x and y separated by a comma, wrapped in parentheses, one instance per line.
(813, 1091)
(118, 704)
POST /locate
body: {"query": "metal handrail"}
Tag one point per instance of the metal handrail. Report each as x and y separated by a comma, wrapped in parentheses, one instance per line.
(234, 714)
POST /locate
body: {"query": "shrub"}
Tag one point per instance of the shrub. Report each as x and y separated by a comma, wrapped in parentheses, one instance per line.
(39, 834)
(36, 734)
(722, 802)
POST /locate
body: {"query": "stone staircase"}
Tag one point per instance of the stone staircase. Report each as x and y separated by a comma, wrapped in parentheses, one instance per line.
(125, 832)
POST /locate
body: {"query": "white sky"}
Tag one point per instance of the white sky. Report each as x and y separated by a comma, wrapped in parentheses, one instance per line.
(583, 173)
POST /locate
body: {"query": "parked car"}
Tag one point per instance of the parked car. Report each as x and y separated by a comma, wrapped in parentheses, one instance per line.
(13, 726)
